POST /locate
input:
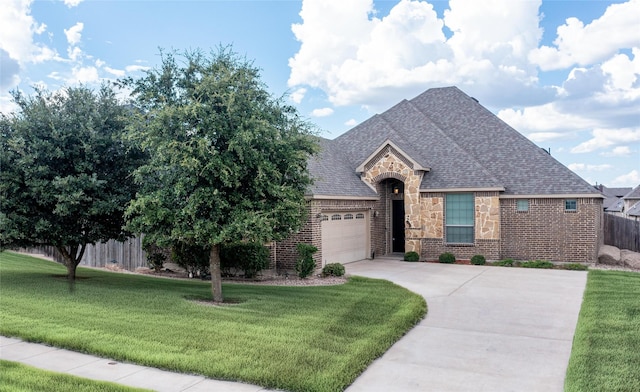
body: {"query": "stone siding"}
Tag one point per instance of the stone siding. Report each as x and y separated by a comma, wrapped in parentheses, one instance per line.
(432, 216)
(487, 219)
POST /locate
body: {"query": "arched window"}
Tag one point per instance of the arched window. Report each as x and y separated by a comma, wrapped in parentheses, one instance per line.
(336, 217)
(348, 216)
(360, 216)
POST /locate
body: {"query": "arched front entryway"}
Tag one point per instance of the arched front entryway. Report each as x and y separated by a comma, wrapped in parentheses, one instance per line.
(389, 218)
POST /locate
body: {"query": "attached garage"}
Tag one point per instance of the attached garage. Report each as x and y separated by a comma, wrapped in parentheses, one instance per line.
(345, 236)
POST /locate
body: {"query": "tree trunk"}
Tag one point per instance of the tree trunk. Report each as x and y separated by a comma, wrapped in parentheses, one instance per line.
(71, 259)
(216, 276)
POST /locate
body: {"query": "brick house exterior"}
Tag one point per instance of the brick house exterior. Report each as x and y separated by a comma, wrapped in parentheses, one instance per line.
(440, 173)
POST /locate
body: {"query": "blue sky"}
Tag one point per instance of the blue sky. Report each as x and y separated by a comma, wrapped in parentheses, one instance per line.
(566, 74)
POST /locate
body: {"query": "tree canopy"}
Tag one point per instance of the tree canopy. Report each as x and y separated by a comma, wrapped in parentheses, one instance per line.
(65, 177)
(228, 161)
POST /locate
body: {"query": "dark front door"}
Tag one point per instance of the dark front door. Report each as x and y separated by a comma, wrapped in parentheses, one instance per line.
(397, 226)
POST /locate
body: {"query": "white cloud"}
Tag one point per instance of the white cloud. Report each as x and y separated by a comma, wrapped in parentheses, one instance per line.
(74, 33)
(72, 3)
(581, 44)
(74, 53)
(136, 68)
(116, 72)
(603, 138)
(17, 30)
(323, 112)
(351, 123)
(545, 118)
(631, 179)
(357, 58)
(298, 95)
(85, 75)
(619, 151)
(587, 167)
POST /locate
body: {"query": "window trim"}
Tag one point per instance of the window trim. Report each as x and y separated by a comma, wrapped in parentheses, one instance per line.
(523, 208)
(472, 226)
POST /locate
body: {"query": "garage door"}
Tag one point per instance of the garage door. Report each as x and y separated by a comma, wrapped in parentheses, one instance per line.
(344, 236)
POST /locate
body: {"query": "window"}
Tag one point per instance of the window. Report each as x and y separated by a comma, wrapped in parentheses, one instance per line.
(571, 205)
(325, 217)
(360, 216)
(348, 216)
(523, 205)
(459, 218)
(336, 217)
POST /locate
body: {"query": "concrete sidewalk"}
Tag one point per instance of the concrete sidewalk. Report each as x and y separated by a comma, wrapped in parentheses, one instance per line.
(88, 366)
(487, 328)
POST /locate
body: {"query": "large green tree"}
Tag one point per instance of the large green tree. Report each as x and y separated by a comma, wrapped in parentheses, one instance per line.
(65, 172)
(228, 161)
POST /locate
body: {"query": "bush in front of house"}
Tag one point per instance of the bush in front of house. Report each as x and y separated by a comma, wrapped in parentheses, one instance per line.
(305, 264)
(249, 257)
(447, 258)
(505, 263)
(575, 267)
(411, 256)
(194, 259)
(537, 264)
(478, 260)
(333, 269)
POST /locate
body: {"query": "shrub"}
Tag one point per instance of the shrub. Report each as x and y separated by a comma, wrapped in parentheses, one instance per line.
(478, 260)
(249, 257)
(155, 255)
(156, 260)
(575, 267)
(447, 257)
(194, 259)
(305, 265)
(333, 269)
(537, 264)
(504, 263)
(411, 256)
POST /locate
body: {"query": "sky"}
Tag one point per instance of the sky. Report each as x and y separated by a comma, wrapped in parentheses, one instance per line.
(566, 74)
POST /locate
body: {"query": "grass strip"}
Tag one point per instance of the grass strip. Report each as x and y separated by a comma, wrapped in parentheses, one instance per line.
(606, 345)
(16, 377)
(291, 338)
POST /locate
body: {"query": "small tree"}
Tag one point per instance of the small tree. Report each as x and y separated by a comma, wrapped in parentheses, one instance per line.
(305, 264)
(228, 162)
(65, 178)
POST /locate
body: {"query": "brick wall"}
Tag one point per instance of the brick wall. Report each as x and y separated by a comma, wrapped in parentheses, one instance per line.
(432, 248)
(286, 254)
(548, 232)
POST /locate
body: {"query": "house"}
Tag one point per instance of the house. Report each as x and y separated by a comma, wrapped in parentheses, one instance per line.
(631, 204)
(612, 197)
(440, 173)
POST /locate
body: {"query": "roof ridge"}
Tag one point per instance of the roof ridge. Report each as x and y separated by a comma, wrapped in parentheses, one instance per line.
(469, 155)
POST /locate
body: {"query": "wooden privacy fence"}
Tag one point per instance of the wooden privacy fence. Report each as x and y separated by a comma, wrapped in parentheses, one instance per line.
(127, 255)
(621, 232)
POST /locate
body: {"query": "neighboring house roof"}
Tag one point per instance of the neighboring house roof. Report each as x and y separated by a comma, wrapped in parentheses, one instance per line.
(613, 197)
(634, 210)
(462, 143)
(616, 206)
(633, 194)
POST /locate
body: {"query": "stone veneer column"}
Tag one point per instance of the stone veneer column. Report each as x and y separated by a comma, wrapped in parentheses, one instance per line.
(391, 166)
(487, 220)
(432, 217)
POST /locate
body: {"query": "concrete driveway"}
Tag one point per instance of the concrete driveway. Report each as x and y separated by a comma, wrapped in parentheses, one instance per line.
(487, 328)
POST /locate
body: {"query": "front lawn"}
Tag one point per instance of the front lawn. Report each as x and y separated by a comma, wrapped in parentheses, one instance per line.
(15, 377)
(606, 346)
(292, 338)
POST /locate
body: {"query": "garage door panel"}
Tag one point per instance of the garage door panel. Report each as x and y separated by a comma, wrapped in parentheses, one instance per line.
(344, 240)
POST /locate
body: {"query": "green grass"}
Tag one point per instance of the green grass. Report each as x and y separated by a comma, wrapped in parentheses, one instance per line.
(606, 345)
(292, 338)
(15, 377)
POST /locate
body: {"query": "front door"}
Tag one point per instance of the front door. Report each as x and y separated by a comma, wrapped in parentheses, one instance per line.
(397, 226)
